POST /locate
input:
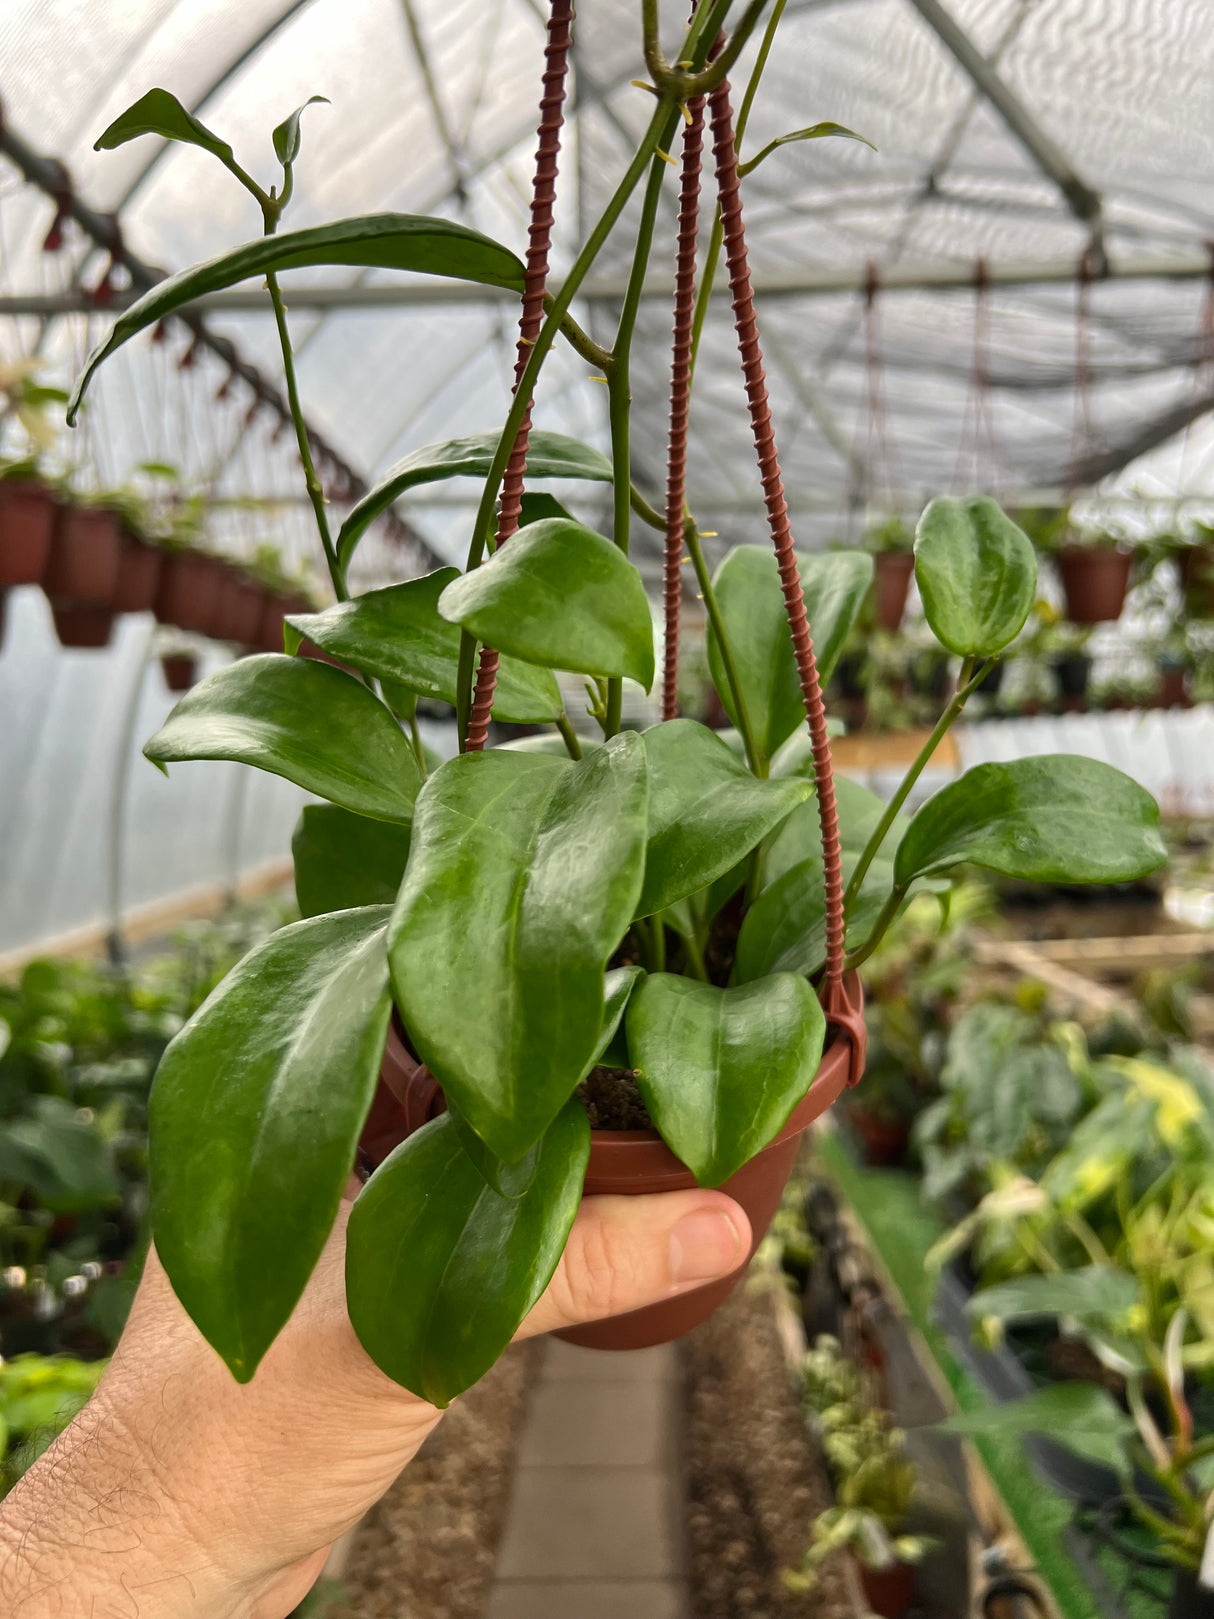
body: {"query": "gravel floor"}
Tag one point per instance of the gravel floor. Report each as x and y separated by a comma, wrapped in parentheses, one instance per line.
(754, 1480)
(427, 1550)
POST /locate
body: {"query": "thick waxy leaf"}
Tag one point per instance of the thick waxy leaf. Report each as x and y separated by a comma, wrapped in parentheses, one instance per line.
(549, 455)
(618, 987)
(747, 583)
(1094, 1292)
(255, 1116)
(706, 811)
(286, 137)
(785, 929)
(1053, 818)
(1084, 1418)
(977, 575)
(801, 835)
(301, 719)
(523, 876)
(559, 595)
(397, 634)
(343, 860)
(376, 241)
(440, 1270)
(722, 1069)
(159, 113)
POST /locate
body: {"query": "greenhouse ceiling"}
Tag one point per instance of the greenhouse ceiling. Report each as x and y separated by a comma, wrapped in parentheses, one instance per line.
(1011, 292)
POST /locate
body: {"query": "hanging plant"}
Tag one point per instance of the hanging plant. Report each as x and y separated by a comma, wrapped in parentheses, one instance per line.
(546, 936)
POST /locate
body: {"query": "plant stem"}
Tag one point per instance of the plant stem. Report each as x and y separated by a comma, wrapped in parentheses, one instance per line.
(888, 911)
(315, 492)
(654, 60)
(418, 751)
(695, 957)
(965, 685)
(659, 944)
(570, 737)
(691, 538)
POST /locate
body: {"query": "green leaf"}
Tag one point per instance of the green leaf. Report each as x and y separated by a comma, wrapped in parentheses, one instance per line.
(785, 929)
(375, 242)
(706, 811)
(977, 575)
(549, 455)
(815, 132)
(159, 113)
(255, 1115)
(800, 837)
(286, 136)
(1052, 818)
(560, 595)
(523, 876)
(618, 987)
(747, 584)
(298, 718)
(1084, 1418)
(721, 1069)
(535, 506)
(397, 634)
(1093, 1292)
(440, 1270)
(58, 1154)
(343, 861)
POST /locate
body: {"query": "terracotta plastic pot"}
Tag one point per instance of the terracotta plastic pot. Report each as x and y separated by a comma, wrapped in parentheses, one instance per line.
(888, 1591)
(240, 609)
(1095, 579)
(1196, 565)
(188, 594)
(882, 1141)
(180, 670)
(630, 1162)
(138, 576)
(78, 625)
(27, 521)
(1072, 671)
(82, 568)
(892, 571)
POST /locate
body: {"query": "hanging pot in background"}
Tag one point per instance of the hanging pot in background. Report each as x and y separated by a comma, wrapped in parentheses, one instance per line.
(1172, 686)
(1195, 564)
(275, 607)
(240, 608)
(82, 626)
(888, 1591)
(1072, 670)
(138, 575)
(188, 593)
(1095, 579)
(892, 572)
(27, 520)
(180, 670)
(82, 568)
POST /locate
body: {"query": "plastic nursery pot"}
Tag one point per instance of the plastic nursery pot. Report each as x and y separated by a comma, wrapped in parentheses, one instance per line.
(628, 1163)
(883, 1142)
(180, 670)
(1196, 566)
(79, 625)
(892, 571)
(27, 520)
(1172, 688)
(240, 608)
(1071, 671)
(82, 568)
(1095, 579)
(188, 594)
(888, 1591)
(1189, 1599)
(138, 576)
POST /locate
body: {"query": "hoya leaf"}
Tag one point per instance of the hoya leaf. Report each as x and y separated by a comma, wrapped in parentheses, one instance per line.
(440, 1270)
(815, 132)
(507, 1180)
(160, 113)
(785, 929)
(560, 595)
(297, 718)
(343, 861)
(706, 811)
(256, 1111)
(618, 986)
(549, 455)
(977, 575)
(397, 634)
(721, 1069)
(834, 584)
(1051, 818)
(523, 876)
(286, 136)
(374, 242)
(800, 837)
(1091, 1293)
(1081, 1416)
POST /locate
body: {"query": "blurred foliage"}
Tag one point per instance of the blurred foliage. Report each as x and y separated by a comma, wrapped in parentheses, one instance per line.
(39, 1396)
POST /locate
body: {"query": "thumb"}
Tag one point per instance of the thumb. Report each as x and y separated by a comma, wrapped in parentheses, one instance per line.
(626, 1252)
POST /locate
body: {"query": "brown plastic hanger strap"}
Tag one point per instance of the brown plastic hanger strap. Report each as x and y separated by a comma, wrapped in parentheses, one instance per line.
(680, 395)
(725, 152)
(543, 198)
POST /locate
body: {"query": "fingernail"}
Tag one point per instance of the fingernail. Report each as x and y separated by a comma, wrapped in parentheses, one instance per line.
(704, 1245)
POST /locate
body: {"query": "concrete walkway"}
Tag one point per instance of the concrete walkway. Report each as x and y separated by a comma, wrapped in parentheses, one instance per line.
(594, 1528)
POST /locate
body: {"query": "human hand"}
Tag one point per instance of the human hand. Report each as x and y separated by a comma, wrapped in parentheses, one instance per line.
(178, 1493)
